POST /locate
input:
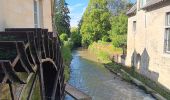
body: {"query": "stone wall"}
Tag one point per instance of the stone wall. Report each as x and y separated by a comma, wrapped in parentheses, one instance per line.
(47, 17)
(1, 16)
(145, 48)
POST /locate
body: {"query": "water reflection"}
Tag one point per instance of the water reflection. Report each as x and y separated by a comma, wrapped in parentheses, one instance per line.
(91, 77)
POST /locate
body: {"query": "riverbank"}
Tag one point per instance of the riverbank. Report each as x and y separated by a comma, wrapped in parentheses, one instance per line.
(67, 57)
(131, 76)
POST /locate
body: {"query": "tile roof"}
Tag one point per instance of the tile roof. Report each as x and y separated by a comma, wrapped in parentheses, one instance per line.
(132, 10)
(151, 3)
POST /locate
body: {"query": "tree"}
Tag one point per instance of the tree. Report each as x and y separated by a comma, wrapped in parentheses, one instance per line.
(64, 37)
(62, 18)
(104, 19)
(75, 37)
(118, 6)
(119, 30)
(95, 22)
(119, 24)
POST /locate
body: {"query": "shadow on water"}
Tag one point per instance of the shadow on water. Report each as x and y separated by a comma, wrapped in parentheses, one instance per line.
(94, 79)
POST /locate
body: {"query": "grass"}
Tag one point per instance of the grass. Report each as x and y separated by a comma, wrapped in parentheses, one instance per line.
(104, 51)
(66, 54)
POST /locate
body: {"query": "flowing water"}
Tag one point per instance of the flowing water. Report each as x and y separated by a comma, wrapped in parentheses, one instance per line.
(91, 77)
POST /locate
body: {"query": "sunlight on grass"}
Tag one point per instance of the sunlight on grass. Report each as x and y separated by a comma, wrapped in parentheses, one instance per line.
(104, 51)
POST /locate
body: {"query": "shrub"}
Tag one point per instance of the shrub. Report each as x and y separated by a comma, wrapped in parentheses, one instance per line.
(68, 44)
(63, 37)
(119, 40)
(66, 53)
(104, 50)
(76, 38)
(106, 39)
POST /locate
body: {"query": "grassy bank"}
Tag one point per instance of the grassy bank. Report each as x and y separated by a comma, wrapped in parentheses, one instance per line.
(67, 57)
(104, 51)
(145, 83)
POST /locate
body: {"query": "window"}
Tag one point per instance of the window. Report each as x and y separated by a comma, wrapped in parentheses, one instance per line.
(167, 33)
(36, 14)
(168, 19)
(134, 26)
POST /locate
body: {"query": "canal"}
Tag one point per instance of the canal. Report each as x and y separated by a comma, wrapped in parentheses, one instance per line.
(91, 77)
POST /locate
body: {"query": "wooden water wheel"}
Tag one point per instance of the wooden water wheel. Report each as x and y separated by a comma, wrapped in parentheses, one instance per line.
(31, 66)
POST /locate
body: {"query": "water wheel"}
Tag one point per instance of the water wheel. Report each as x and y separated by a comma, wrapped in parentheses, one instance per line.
(31, 66)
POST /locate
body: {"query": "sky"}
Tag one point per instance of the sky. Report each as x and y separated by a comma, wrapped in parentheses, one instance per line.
(77, 8)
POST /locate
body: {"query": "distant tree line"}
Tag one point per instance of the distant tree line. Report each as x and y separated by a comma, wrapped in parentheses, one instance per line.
(104, 20)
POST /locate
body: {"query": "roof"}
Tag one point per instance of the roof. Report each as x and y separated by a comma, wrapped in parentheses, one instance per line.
(151, 3)
(148, 4)
(132, 10)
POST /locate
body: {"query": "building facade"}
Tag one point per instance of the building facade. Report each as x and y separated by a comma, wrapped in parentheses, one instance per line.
(148, 44)
(26, 14)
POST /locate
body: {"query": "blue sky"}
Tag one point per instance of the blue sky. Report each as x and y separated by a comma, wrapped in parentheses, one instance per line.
(77, 8)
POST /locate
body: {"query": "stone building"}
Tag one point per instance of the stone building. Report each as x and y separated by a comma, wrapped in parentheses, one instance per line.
(148, 45)
(26, 14)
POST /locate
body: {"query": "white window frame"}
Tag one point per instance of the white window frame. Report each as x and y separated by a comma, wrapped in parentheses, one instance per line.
(36, 14)
(167, 32)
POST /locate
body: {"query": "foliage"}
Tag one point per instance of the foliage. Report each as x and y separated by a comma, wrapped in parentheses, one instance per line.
(62, 19)
(104, 56)
(67, 72)
(95, 22)
(64, 37)
(119, 25)
(104, 50)
(106, 39)
(104, 19)
(119, 40)
(119, 30)
(69, 44)
(75, 37)
(118, 6)
(66, 54)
